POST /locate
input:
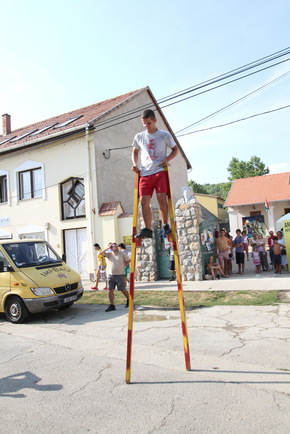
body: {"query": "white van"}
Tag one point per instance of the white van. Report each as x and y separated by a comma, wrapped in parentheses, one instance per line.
(33, 278)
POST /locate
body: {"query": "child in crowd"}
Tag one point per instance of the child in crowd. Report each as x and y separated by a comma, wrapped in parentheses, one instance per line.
(277, 258)
(256, 259)
(213, 269)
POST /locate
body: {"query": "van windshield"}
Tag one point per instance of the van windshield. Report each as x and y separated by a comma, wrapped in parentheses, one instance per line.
(31, 253)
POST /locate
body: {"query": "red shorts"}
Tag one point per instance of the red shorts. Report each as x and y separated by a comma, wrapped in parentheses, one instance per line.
(157, 181)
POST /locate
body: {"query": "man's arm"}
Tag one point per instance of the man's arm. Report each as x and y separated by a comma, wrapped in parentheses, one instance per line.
(103, 252)
(135, 155)
(173, 153)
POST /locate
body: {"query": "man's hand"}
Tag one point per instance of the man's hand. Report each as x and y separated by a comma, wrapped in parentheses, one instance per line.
(165, 163)
(135, 169)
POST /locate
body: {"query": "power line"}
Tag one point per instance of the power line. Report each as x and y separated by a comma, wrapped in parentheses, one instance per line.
(235, 102)
(237, 120)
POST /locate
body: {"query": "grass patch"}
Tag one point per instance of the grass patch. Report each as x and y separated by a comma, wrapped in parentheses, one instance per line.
(169, 299)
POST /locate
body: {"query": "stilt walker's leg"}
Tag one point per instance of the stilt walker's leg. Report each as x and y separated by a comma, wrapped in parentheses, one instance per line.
(173, 239)
(132, 279)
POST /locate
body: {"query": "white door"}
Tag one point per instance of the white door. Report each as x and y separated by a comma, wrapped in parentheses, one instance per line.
(76, 251)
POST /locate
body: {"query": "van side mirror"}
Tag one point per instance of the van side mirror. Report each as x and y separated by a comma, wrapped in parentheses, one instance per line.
(63, 257)
(1, 266)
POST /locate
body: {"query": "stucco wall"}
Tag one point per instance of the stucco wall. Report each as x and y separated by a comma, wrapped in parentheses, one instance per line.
(115, 179)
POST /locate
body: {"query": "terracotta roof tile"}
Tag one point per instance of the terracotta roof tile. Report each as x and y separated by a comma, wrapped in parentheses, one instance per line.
(246, 191)
(82, 115)
(109, 208)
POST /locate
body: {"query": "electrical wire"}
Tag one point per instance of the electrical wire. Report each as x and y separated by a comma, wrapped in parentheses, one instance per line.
(235, 102)
(237, 120)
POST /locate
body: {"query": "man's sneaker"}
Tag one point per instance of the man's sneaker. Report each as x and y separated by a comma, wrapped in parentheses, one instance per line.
(172, 278)
(166, 229)
(127, 304)
(145, 233)
(110, 308)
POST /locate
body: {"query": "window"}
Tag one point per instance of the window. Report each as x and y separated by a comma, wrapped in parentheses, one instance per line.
(30, 184)
(67, 122)
(3, 189)
(73, 199)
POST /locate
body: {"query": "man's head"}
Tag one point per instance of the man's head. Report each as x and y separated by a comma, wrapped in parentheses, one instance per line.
(223, 232)
(238, 232)
(97, 246)
(149, 121)
(275, 240)
(271, 233)
(254, 235)
(114, 247)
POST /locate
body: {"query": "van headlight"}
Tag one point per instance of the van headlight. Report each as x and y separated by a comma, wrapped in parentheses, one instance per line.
(42, 291)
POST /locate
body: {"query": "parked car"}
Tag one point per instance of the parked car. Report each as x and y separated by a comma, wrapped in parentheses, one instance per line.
(33, 278)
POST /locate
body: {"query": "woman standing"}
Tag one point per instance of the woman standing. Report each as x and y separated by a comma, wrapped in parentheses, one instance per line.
(246, 244)
(101, 267)
(284, 256)
(262, 252)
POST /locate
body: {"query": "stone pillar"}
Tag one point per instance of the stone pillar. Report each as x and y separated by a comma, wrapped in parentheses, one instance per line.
(188, 219)
(146, 258)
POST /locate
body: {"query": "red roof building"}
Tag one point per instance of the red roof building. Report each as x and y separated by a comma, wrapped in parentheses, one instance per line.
(267, 195)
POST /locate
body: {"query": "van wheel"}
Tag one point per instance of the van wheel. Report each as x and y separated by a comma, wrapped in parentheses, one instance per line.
(16, 311)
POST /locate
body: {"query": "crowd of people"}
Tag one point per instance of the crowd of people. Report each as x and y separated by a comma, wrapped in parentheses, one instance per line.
(243, 248)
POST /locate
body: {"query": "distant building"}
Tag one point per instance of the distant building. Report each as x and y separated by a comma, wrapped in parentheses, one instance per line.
(258, 202)
(214, 204)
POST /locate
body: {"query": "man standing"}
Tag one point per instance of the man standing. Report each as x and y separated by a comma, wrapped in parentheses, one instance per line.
(240, 255)
(152, 144)
(117, 261)
(223, 245)
(270, 245)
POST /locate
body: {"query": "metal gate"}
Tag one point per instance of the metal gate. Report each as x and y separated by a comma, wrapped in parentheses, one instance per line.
(207, 242)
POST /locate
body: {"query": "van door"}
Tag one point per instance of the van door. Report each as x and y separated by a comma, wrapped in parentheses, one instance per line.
(76, 250)
(5, 276)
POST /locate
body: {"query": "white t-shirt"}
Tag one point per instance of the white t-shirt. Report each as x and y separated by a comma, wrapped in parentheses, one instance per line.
(153, 149)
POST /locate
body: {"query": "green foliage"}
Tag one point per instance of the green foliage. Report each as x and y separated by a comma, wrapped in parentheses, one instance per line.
(220, 189)
(238, 169)
(246, 169)
(197, 188)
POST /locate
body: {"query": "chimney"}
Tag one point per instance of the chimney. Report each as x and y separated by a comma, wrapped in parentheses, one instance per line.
(6, 124)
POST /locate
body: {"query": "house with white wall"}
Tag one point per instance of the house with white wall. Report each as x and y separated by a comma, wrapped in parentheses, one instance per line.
(57, 175)
(267, 196)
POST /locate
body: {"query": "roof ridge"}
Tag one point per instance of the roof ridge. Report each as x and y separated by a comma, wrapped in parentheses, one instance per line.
(71, 112)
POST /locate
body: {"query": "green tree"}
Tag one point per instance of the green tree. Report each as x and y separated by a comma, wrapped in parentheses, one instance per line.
(246, 169)
(197, 188)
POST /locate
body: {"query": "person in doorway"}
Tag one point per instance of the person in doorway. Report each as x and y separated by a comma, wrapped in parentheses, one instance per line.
(223, 245)
(240, 256)
(101, 267)
(118, 260)
(152, 145)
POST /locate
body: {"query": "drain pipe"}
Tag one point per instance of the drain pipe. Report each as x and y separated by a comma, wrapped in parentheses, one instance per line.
(91, 223)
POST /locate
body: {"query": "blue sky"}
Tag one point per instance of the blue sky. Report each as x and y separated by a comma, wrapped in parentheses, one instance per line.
(62, 55)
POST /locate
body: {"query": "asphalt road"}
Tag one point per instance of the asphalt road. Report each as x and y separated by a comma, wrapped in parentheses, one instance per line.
(64, 372)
